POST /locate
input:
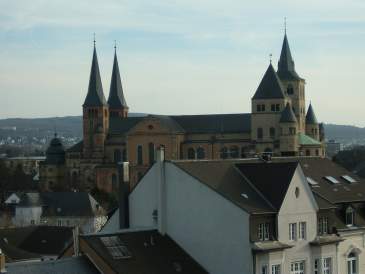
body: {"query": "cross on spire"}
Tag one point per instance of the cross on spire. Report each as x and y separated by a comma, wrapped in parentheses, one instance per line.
(94, 40)
(285, 25)
(115, 45)
(270, 55)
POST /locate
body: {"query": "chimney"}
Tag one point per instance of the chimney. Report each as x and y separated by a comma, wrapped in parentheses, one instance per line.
(123, 170)
(76, 234)
(161, 190)
(2, 262)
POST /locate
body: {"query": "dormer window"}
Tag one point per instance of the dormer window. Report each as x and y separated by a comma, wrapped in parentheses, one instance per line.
(264, 232)
(350, 216)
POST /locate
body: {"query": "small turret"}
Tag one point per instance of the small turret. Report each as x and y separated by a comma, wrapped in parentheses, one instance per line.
(311, 124)
(288, 132)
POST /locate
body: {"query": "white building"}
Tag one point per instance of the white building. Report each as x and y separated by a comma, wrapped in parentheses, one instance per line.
(255, 216)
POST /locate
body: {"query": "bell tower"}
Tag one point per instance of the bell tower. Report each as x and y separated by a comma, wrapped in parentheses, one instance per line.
(95, 114)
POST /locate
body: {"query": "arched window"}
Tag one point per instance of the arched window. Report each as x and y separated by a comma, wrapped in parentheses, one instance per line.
(234, 152)
(117, 156)
(290, 89)
(350, 214)
(191, 153)
(224, 153)
(272, 132)
(114, 182)
(307, 152)
(352, 264)
(151, 153)
(200, 153)
(139, 155)
(260, 133)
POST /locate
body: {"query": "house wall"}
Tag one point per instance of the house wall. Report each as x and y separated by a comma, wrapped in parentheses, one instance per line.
(207, 226)
(25, 215)
(86, 224)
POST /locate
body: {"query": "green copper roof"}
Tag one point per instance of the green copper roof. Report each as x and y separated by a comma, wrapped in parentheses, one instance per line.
(270, 86)
(306, 140)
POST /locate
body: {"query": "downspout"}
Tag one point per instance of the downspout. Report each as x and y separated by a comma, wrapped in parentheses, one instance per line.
(161, 190)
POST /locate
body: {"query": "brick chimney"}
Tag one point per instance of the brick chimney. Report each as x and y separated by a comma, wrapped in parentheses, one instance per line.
(2, 262)
(123, 191)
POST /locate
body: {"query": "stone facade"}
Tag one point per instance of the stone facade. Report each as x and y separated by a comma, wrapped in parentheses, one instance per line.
(277, 125)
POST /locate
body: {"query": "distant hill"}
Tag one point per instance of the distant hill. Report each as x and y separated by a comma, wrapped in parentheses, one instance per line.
(71, 127)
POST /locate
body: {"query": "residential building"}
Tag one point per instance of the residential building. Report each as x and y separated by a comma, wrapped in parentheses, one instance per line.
(282, 215)
(67, 209)
(278, 124)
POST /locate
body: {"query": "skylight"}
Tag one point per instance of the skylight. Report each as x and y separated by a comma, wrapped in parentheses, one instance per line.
(331, 179)
(115, 247)
(348, 179)
(244, 195)
(311, 181)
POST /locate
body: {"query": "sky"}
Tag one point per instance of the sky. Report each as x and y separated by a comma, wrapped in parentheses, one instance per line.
(180, 57)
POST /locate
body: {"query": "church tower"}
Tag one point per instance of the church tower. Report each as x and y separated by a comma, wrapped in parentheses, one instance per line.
(116, 101)
(95, 114)
(294, 86)
(311, 124)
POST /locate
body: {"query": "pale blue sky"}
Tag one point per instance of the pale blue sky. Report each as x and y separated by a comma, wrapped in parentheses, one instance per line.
(179, 57)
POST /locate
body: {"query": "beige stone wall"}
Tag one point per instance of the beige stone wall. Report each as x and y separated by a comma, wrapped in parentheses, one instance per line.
(52, 176)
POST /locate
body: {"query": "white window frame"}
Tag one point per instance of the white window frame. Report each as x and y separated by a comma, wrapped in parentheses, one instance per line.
(350, 211)
(264, 269)
(295, 267)
(293, 235)
(317, 266)
(302, 230)
(327, 268)
(349, 263)
(323, 225)
(276, 269)
(264, 231)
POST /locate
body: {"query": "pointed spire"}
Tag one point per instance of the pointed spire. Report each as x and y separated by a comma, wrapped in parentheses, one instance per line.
(286, 66)
(116, 98)
(270, 86)
(310, 118)
(288, 116)
(95, 96)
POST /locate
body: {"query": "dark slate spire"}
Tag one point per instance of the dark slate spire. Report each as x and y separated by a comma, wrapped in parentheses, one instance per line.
(310, 118)
(95, 96)
(116, 98)
(270, 86)
(288, 116)
(286, 66)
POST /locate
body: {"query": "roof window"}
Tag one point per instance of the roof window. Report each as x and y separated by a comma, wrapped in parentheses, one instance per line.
(115, 247)
(348, 179)
(311, 181)
(244, 195)
(332, 180)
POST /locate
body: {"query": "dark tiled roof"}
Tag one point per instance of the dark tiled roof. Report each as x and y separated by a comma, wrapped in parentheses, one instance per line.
(69, 204)
(310, 118)
(224, 178)
(95, 96)
(76, 147)
(210, 123)
(162, 257)
(215, 123)
(72, 265)
(116, 98)
(287, 115)
(55, 153)
(270, 86)
(30, 199)
(34, 241)
(271, 179)
(286, 66)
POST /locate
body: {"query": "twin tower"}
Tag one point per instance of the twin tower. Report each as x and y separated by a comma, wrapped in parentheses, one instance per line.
(96, 110)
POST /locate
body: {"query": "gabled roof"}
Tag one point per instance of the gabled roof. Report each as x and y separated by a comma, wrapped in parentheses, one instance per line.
(71, 265)
(116, 98)
(286, 66)
(287, 115)
(270, 86)
(215, 123)
(224, 177)
(33, 241)
(95, 96)
(270, 179)
(163, 256)
(210, 123)
(310, 118)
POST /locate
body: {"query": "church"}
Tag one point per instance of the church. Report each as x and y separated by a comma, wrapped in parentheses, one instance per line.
(278, 125)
